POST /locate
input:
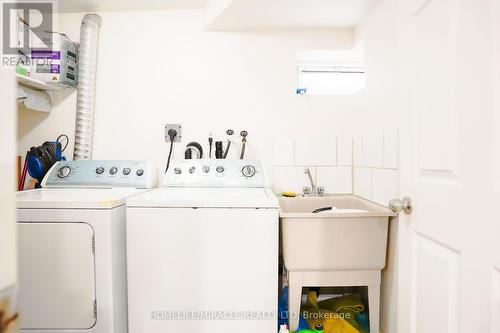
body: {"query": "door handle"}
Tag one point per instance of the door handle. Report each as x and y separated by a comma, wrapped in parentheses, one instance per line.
(398, 205)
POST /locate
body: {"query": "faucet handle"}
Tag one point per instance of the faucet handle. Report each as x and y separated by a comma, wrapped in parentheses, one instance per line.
(306, 190)
(320, 190)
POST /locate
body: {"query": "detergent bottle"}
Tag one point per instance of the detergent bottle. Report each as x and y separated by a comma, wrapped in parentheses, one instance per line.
(318, 328)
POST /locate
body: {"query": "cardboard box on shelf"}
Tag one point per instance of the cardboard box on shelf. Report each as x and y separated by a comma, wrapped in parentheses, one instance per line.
(56, 64)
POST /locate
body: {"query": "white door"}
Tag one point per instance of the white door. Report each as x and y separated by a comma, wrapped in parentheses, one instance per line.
(449, 273)
(8, 269)
(56, 276)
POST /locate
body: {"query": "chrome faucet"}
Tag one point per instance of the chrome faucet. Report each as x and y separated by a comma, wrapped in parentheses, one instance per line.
(313, 190)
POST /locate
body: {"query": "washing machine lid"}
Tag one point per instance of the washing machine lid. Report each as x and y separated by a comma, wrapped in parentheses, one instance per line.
(70, 198)
(206, 198)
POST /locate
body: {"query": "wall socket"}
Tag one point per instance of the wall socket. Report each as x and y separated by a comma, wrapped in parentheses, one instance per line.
(176, 127)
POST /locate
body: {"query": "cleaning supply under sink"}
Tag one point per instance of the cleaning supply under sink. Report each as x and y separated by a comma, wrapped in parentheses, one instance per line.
(283, 314)
(318, 328)
(332, 322)
(348, 307)
(283, 329)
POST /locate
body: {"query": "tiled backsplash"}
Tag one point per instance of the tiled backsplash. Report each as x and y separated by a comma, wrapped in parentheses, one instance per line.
(376, 163)
(366, 166)
(329, 159)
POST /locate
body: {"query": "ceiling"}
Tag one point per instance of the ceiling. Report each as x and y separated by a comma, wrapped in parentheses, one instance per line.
(246, 14)
(67, 6)
(262, 14)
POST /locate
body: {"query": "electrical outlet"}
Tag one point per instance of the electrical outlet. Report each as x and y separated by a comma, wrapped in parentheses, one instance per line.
(176, 127)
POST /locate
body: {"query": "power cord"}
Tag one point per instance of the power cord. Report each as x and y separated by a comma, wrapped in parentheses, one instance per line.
(59, 140)
(171, 134)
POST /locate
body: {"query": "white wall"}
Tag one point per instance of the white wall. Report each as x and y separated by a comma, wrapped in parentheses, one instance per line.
(8, 240)
(161, 67)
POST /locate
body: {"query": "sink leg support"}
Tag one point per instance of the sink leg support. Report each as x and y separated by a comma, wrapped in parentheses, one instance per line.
(374, 307)
(294, 298)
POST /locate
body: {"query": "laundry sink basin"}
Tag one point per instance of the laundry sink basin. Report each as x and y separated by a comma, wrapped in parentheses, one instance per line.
(346, 233)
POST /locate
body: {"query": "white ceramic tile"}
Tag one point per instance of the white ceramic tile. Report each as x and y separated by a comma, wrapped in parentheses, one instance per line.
(385, 185)
(283, 152)
(336, 180)
(363, 182)
(344, 151)
(357, 151)
(291, 179)
(315, 151)
(391, 149)
(373, 150)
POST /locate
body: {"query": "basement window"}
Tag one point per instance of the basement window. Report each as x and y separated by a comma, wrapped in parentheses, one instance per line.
(332, 80)
(330, 72)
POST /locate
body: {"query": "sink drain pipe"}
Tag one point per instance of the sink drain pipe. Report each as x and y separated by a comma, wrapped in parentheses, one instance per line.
(85, 100)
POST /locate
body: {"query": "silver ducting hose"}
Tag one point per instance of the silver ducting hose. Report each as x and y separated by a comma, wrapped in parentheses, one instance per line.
(85, 100)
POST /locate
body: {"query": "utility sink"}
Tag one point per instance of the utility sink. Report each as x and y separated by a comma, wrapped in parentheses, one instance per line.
(347, 233)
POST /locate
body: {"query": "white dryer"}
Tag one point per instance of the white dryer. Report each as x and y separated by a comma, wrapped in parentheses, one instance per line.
(202, 251)
(72, 259)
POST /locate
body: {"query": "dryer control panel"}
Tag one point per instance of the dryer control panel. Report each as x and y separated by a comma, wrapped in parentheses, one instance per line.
(215, 173)
(101, 174)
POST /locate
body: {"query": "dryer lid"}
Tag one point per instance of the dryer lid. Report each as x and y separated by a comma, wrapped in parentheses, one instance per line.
(75, 198)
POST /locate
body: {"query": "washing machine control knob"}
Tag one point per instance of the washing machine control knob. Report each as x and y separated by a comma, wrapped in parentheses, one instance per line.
(139, 172)
(177, 171)
(248, 171)
(126, 171)
(220, 169)
(192, 169)
(63, 171)
(206, 169)
(99, 170)
(113, 170)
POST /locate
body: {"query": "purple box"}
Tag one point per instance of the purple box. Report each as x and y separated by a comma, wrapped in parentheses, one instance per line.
(45, 54)
(55, 69)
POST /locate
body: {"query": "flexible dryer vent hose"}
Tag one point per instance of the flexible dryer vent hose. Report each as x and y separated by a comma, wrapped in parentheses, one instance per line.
(87, 68)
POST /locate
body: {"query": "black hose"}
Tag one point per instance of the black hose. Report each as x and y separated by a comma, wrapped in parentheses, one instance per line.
(210, 141)
(242, 150)
(218, 150)
(323, 209)
(197, 147)
(244, 135)
(227, 149)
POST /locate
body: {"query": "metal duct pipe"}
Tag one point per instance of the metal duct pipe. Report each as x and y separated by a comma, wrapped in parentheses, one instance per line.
(85, 100)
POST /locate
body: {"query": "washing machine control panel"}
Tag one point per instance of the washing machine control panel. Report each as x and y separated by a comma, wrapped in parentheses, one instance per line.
(101, 174)
(215, 173)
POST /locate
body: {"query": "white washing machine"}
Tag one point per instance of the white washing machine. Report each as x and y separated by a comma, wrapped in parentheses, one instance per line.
(202, 251)
(72, 259)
